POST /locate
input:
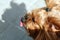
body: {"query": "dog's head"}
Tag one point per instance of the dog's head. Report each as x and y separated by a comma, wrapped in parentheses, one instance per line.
(34, 20)
(37, 19)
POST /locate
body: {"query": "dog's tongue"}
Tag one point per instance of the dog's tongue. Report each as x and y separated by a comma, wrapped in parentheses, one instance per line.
(21, 24)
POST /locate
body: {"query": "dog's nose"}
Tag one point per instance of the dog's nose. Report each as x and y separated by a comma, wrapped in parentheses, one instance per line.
(23, 19)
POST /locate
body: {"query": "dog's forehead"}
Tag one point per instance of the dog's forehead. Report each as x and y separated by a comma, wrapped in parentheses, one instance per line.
(42, 12)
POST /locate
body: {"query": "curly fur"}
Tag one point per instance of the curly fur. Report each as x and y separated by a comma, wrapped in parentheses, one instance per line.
(44, 24)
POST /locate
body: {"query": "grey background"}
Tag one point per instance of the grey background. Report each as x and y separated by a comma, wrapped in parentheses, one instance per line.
(10, 29)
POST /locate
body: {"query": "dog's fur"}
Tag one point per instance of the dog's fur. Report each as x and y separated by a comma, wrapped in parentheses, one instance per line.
(42, 24)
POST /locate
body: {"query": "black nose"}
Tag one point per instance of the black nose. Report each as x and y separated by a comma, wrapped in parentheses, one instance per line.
(23, 19)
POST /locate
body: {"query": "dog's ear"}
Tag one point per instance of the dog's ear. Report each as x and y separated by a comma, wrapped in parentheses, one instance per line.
(50, 3)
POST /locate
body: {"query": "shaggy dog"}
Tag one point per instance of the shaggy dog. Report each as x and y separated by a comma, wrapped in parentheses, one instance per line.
(43, 23)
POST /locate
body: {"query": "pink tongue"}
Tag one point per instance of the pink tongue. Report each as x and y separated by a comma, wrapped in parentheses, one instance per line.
(21, 24)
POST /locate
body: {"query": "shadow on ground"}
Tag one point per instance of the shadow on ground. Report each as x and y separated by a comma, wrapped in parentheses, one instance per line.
(10, 29)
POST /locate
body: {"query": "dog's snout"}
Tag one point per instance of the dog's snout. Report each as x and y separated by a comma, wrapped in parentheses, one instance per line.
(23, 19)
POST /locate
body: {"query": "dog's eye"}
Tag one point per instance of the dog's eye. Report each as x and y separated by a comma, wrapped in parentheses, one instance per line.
(47, 9)
(26, 17)
(33, 20)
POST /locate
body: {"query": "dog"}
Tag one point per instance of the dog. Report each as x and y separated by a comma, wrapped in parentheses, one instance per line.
(43, 23)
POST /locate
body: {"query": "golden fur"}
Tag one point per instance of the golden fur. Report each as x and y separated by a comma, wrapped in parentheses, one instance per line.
(42, 24)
